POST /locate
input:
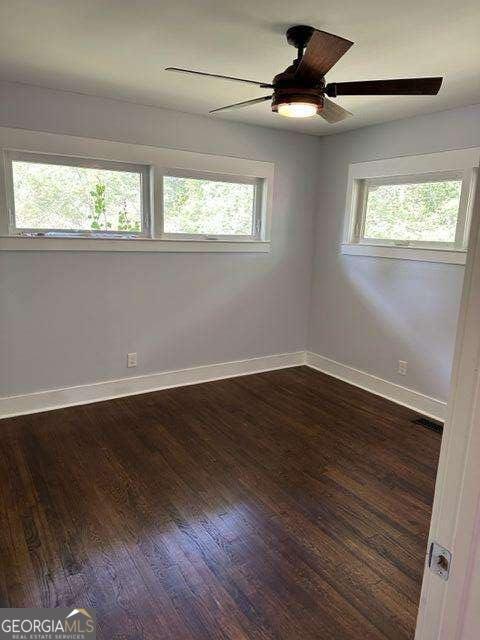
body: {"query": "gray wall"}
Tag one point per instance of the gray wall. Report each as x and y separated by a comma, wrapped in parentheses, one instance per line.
(371, 312)
(69, 319)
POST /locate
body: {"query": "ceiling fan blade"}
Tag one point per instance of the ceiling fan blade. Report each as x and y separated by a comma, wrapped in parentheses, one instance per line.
(214, 75)
(332, 112)
(239, 105)
(401, 87)
(322, 52)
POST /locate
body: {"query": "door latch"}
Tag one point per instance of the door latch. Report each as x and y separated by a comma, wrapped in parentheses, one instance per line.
(439, 560)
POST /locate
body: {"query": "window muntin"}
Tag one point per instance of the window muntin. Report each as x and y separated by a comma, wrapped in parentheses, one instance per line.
(425, 210)
(199, 205)
(55, 195)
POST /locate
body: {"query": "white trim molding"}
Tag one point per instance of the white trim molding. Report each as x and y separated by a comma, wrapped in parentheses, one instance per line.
(403, 253)
(49, 400)
(396, 393)
(136, 245)
(98, 391)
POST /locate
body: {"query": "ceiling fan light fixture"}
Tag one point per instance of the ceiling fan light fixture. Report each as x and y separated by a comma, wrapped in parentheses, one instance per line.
(297, 109)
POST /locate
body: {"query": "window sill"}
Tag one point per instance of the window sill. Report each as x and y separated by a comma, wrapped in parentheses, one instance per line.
(405, 253)
(132, 245)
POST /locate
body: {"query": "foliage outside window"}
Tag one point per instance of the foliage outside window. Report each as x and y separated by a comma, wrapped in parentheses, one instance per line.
(199, 206)
(427, 210)
(422, 211)
(72, 198)
(55, 198)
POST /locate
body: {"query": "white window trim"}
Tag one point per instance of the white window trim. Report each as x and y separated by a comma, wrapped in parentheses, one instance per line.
(459, 162)
(160, 161)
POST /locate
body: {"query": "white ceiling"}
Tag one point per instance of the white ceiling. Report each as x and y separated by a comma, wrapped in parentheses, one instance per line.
(119, 48)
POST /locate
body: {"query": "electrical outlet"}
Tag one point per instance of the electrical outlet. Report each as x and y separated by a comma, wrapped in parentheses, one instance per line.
(402, 367)
(131, 359)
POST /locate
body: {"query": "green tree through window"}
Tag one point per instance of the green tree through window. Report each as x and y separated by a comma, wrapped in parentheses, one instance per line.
(49, 196)
(425, 211)
(197, 206)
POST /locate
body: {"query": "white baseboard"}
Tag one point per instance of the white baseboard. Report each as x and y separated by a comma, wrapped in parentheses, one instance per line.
(98, 391)
(394, 392)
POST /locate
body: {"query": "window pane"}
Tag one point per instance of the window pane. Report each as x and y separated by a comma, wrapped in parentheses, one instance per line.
(51, 196)
(194, 205)
(425, 211)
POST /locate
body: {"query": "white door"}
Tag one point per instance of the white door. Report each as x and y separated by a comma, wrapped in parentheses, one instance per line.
(450, 610)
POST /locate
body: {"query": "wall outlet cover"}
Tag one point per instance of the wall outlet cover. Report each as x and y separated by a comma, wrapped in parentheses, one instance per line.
(402, 367)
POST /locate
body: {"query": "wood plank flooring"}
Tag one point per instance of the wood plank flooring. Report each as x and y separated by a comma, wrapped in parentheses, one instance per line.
(280, 506)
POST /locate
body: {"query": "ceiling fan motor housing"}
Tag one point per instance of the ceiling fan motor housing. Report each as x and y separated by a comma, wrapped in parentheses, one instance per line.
(288, 89)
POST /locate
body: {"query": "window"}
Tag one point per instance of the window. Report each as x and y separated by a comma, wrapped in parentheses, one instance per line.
(413, 210)
(411, 207)
(211, 207)
(66, 193)
(55, 195)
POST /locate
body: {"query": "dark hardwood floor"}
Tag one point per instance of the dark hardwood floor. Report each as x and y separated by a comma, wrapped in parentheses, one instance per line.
(283, 505)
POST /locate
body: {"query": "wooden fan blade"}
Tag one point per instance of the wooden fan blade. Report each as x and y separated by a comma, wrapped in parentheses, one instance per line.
(239, 105)
(401, 87)
(332, 112)
(214, 75)
(322, 52)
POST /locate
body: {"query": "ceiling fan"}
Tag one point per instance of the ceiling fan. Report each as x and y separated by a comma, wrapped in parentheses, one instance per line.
(300, 91)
